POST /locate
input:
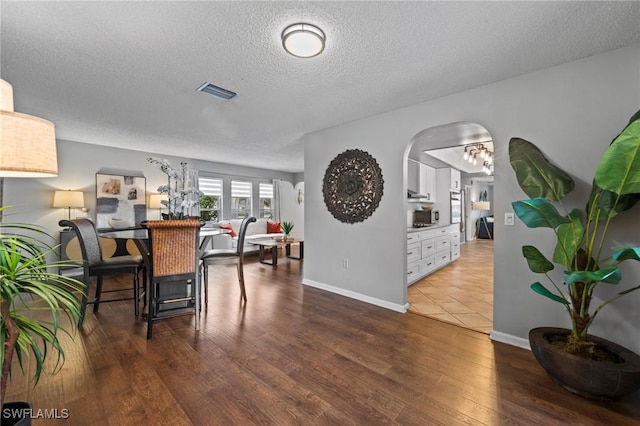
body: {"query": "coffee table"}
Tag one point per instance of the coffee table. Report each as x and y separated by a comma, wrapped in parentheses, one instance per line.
(274, 244)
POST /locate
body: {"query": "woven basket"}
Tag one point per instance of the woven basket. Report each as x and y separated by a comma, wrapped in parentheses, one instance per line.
(174, 246)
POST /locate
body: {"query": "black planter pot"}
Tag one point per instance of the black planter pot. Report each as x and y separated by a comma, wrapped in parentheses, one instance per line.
(584, 377)
(16, 414)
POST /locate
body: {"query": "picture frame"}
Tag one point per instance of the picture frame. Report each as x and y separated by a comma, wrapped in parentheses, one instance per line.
(120, 201)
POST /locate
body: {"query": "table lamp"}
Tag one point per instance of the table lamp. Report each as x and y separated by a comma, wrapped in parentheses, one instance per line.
(155, 202)
(68, 199)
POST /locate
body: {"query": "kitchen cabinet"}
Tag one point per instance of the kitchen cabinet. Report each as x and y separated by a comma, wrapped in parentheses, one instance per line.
(421, 179)
(448, 179)
(413, 176)
(455, 245)
(431, 249)
(455, 179)
(428, 182)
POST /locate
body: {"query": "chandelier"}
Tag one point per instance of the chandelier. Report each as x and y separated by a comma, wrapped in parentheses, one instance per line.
(479, 152)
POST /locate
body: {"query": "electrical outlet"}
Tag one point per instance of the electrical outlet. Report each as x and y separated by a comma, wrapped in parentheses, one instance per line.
(345, 263)
(509, 219)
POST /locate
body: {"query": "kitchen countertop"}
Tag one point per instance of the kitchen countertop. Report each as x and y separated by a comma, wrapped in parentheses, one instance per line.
(426, 228)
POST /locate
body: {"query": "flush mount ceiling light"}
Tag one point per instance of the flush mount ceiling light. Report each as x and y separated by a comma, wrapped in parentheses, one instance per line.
(303, 40)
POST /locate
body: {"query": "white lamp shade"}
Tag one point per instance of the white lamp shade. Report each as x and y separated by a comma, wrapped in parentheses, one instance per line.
(482, 205)
(68, 199)
(28, 147)
(155, 201)
(6, 96)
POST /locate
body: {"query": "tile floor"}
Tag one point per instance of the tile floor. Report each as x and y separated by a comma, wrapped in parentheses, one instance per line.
(461, 292)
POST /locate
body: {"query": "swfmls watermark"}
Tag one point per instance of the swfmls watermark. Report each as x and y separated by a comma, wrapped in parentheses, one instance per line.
(35, 413)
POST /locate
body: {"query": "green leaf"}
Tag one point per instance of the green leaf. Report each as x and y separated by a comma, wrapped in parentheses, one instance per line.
(570, 237)
(626, 254)
(27, 285)
(538, 213)
(536, 260)
(611, 275)
(619, 168)
(606, 204)
(541, 290)
(536, 175)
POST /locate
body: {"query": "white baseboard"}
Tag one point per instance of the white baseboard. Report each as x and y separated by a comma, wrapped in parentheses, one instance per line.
(495, 335)
(510, 339)
(358, 296)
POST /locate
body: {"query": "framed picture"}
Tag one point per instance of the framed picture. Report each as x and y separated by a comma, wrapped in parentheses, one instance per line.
(120, 201)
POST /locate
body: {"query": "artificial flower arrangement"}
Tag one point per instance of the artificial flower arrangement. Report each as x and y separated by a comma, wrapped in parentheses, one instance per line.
(181, 195)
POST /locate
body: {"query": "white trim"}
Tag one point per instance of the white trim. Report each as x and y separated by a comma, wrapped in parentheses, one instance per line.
(509, 339)
(358, 296)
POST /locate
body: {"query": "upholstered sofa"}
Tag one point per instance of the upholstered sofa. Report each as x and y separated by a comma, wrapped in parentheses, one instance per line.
(255, 231)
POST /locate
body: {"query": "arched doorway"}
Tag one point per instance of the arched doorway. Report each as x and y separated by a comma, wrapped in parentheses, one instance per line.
(458, 290)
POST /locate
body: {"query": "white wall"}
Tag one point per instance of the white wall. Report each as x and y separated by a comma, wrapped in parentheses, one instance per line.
(290, 210)
(576, 107)
(77, 166)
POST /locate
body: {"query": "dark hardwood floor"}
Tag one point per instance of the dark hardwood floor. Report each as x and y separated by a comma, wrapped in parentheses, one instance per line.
(299, 355)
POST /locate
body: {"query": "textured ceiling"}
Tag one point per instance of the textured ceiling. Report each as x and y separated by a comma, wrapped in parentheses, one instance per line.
(124, 74)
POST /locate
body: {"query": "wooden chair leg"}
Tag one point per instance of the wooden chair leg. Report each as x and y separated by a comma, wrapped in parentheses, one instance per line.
(241, 282)
(85, 300)
(205, 283)
(136, 293)
(145, 286)
(96, 303)
(151, 310)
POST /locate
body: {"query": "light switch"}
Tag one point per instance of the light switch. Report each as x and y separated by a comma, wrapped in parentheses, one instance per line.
(509, 219)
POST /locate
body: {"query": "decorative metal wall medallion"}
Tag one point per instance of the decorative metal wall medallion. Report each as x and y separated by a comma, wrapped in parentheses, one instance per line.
(352, 186)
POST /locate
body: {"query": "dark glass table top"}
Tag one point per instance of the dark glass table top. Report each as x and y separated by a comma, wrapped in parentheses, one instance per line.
(141, 233)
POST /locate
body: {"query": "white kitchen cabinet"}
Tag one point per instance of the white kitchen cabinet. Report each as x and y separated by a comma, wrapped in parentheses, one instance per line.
(428, 181)
(443, 244)
(455, 245)
(413, 176)
(421, 179)
(448, 180)
(455, 179)
(428, 248)
(413, 252)
(431, 249)
(427, 266)
(413, 237)
(413, 272)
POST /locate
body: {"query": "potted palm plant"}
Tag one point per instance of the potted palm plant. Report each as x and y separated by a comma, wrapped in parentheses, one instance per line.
(587, 365)
(27, 285)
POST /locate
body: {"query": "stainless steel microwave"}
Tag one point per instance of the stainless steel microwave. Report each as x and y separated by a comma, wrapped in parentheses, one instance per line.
(425, 217)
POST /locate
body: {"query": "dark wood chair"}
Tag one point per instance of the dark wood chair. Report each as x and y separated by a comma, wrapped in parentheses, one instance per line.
(94, 265)
(227, 256)
(173, 247)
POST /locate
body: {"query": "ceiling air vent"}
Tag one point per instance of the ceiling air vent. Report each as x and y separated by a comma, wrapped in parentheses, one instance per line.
(216, 91)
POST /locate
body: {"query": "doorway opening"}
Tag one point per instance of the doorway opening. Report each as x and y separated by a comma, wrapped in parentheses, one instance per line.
(459, 291)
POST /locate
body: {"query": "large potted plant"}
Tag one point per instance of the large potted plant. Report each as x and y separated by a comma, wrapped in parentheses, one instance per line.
(28, 284)
(182, 195)
(587, 365)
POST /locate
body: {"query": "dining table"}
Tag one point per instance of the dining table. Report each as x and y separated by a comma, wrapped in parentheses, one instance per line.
(140, 236)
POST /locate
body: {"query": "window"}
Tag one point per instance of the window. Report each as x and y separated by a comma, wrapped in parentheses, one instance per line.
(211, 200)
(266, 198)
(240, 199)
